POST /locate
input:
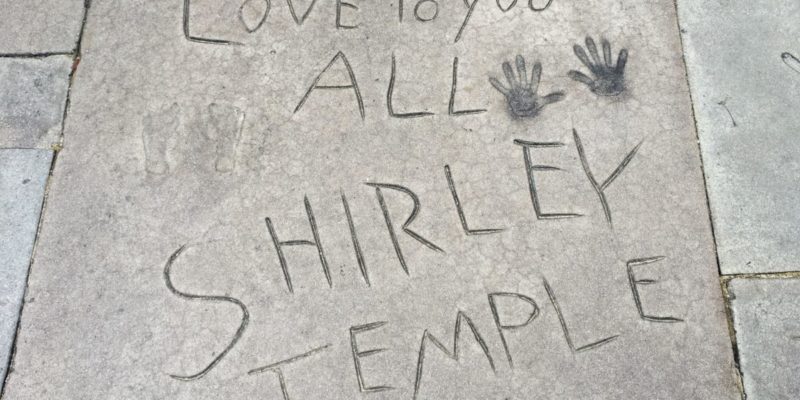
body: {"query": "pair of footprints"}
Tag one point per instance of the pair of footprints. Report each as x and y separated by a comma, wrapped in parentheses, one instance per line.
(212, 133)
(523, 101)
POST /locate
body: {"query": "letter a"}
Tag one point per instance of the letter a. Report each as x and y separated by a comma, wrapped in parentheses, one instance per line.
(353, 84)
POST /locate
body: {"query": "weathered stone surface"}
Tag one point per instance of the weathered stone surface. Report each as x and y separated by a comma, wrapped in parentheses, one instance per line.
(766, 315)
(23, 175)
(40, 26)
(192, 169)
(744, 70)
(33, 93)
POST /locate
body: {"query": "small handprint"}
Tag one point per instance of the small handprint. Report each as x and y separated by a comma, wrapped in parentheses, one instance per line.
(609, 79)
(523, 102)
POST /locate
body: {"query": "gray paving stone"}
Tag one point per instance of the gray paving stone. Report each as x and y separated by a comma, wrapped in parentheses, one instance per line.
(210, 216)
(767, 320)
(40, 26)
(33, 93)
(23, 175)
(745, 77)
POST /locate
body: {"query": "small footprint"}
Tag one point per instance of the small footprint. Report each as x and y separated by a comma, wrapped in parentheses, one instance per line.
(792, 61)
(225, 131)
(158, 129)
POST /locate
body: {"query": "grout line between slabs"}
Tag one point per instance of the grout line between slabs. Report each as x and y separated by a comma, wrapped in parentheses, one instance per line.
(763, 275)
(37, 55)
(722, 282)
(56, 148)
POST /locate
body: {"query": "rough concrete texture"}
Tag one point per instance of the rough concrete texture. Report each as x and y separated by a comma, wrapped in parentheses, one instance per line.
(766, 315)
(40, 26)
(23, 175)
(743, 58)
(33, 93)
(220, 231)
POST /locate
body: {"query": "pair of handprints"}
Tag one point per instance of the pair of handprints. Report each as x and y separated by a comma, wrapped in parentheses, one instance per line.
(608, 79)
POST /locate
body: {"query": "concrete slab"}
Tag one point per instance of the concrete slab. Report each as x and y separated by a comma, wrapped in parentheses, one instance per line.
(767, 320)
(23, 175)
(375, 208)
(40, 26)
(741, 57)
(33, 93)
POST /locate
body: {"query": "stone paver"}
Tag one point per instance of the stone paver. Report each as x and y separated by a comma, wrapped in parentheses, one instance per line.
(742, 57)
(40, 26)
(23, 175)
(766, 315)
(33, 94)
(377, 210)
